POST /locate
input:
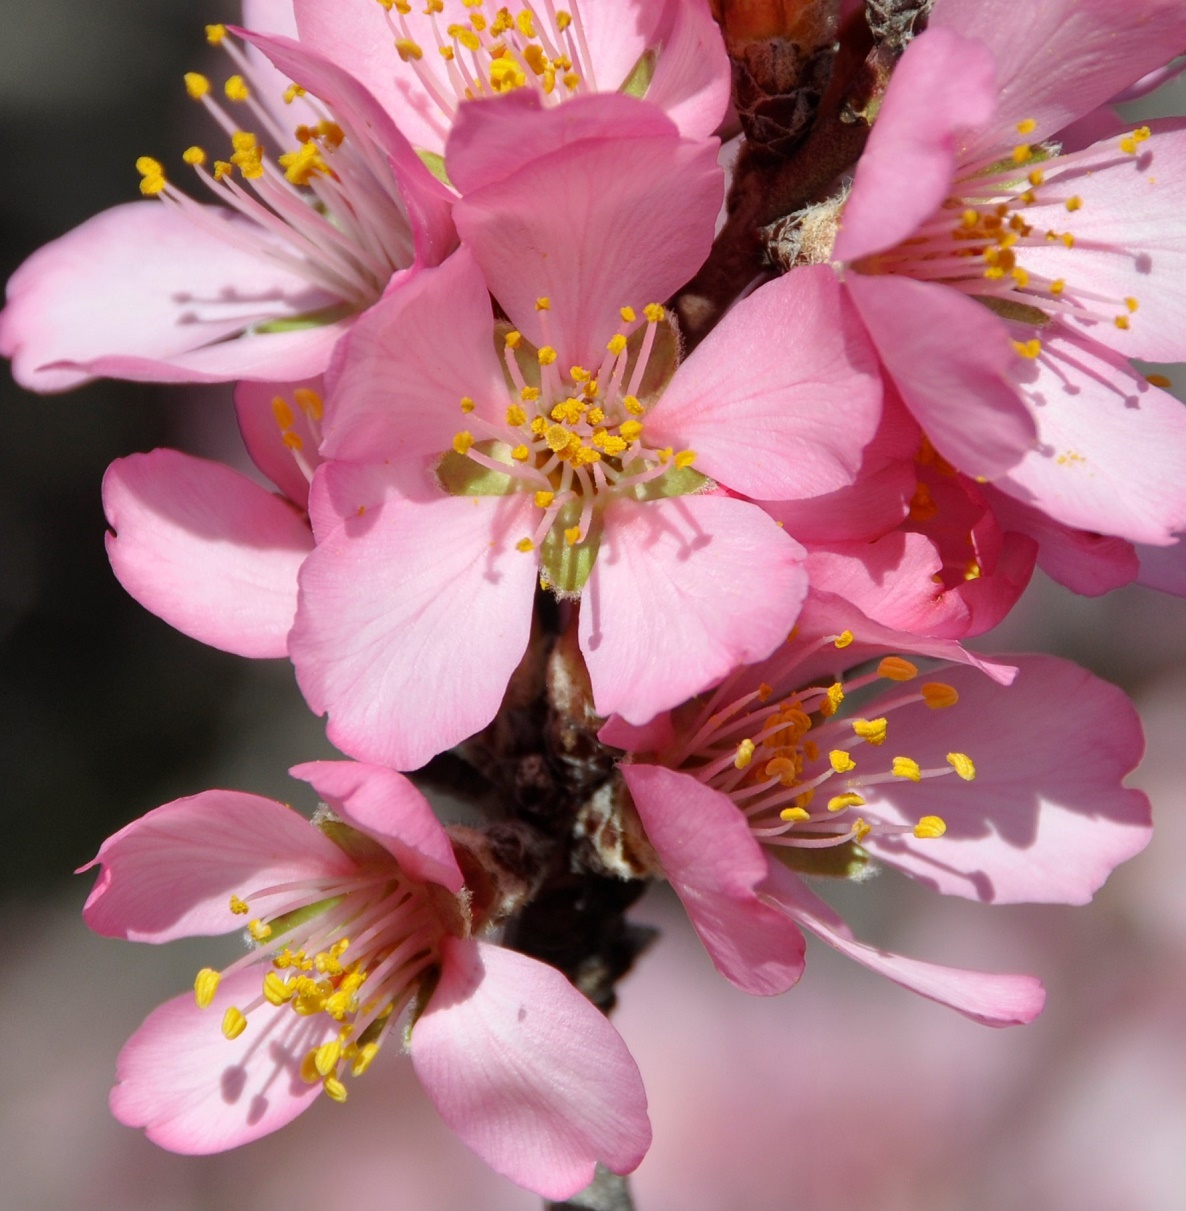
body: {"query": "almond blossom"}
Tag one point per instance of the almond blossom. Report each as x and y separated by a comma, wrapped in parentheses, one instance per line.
(979, 788)
(1006, 281)
(357, 923)
(469, 460)
(322, 204)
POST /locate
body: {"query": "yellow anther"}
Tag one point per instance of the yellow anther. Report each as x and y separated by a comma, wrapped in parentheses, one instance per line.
(539, 426)
(223, 169)
(233, 1023)
(685, 458)
(195, 156)
(506, 75)
(526, 23)
(546, 355)
(744, 754)
(292, 92)
(612, 445)
(595, 416)
(572, 535)
(543, 303)
(1021, 277)
(408, 50)
(362, 1061)
(1074, 203)
(1026, 126)
(309, 402)
(308, 1070)
(841, 760)
(832, 700)
(239, 907)
(302, 165)
(843, 639)
(1067, 239)
(937, 695)
(617, 343)
(1057, 286)
(969, 218)
(907, 767)
(1131, 303)
(1028, 349)
(524, 545)
(276, 991)
(1121, 321)
(283, 414)
(520, 453)
(292, 440)
(1158, 380)
(467, 404)
(973, 570)
(327, 1055)
(529, 394)
(563, 20)
(462, 441)
(654, 312)
(860, 829)
(557, 438)
(434, 6)
(962, 764)
(764, 692)
(465, 36)
(929, 827)
(871, 730)
(236, 89)
(579, 374)
(571, 80)
(1130, 142)
(196, 85)
(215, 33)
(205, 986)
(516, 416)
(894, 668)
(794, 815)
(512, 339)
(1022, 153)
(627, 314)
(631, 430)
(334, 1089)
(840, 803)
(632, 405)
(536, 59)
(1036, 176)
(259, 930)
(568, 411)
(783, 768)
(544, 499)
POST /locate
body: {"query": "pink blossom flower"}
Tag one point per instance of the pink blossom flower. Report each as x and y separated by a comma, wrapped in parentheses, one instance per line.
(1006, 282)
(422, 63)
(468, 461)
(353, 920)
(994, 792)
(311, 230)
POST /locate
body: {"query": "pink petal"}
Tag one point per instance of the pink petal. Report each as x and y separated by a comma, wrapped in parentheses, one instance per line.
(622, 217)
(196, 1092)
(98, 303)
(692, 73)
(1111, 446)
(527, 1072)
(712, 860)
(265, 439)
(206, 549)
(941, 347)
(684, 590)
(172, 873)
(1047, 817)
(743, 405)
(396, 385)
(1062, 58)
(387, 807)
(942, 88)
(651, 737)
(994, 1000)
(412, 618)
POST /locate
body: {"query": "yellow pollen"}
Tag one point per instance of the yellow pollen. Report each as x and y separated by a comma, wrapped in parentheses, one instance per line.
(929, 827)
(1058, 286)
(563, 20)
(525, 23)
(872, 730)
(516, 416)
(627, 314)
(194, 155)
(236, 89)
(596, 416)
(196, 85)
(512, 339)
(794, 815)
(841, 761)
(654, 312)
(334, 1089)
(283, 414)
(764, 692)
(1022, 153)
(309, 402)
(579, 374)
(205, 986)
(840, 803)
(544, 499)
(292, 92)
(632, 405)
(536, 59)
(239, 907)
(832, 700)
(233, 1023)
(546, 355)
(1036, 176)
(408, 50)
(572, 535)
(467, 404)
(685, 458)
(860, 830)
(782, 768)
(843, 639)
(1121, 322)
(1028, 349)
(973, 570)
(276, 991)
(970, 218)
(894, 668)
(506, 75)
(223, 169)
(292, 440)
(1021, 277)
(524, 545)
(327, 1055)
(1067, 239)
(907, 767)
(569, 411)
(1026, 126)
(556, 438)
(1074, 203)
(529, 394)
(462, 441)
(962, 764)
(543, 303)
(937, 695)
(215, 33)
(744, 755)
(259, 930)
(520, 453)
(631, 430)
(1131, 303)
(362, 1061)
(617, 343)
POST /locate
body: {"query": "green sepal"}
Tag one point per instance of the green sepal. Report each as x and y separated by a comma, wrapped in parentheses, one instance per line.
(311, 319)
(563, 568)
(1007, 309)
(678, 481)
(461, 476)
(298, 916)
(847, 861)
(435, 164)
(641, 75)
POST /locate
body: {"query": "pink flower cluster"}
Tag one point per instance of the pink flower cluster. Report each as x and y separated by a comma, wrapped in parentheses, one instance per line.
(440, 270)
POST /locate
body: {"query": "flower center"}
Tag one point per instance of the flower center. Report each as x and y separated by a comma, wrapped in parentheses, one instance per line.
(354, 947)
(575, 440)
(978, 240)
(800, 771)
(328, 211)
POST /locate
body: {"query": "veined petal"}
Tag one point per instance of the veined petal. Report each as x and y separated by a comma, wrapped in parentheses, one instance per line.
(172, 873)
(206, 549)
(527, 1072)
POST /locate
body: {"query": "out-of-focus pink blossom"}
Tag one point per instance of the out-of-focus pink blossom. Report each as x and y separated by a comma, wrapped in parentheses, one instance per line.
(1007, 283)
(994, 792)
(353, 921)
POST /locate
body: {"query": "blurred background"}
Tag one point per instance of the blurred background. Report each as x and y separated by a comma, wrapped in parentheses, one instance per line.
(847, 1092)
